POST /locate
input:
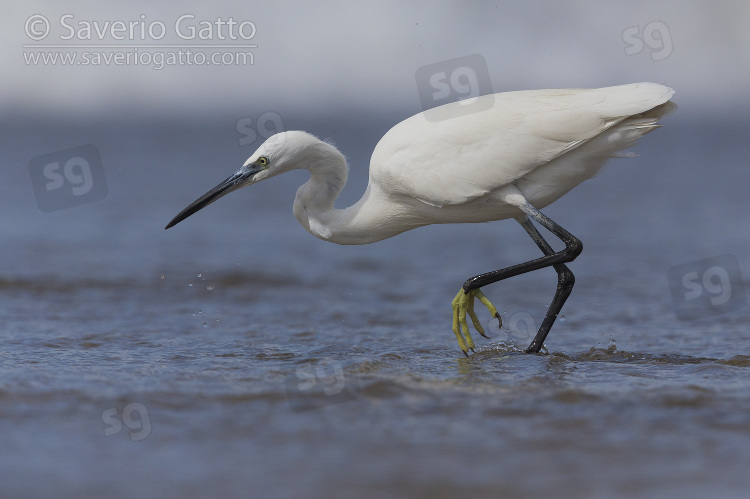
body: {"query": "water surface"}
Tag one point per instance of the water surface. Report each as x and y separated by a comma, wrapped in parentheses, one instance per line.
(236, 355)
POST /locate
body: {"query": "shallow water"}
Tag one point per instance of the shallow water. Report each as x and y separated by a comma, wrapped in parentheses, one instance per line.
(235, 355)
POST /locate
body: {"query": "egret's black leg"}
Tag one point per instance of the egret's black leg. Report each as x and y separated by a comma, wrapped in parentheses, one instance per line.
(565, 281)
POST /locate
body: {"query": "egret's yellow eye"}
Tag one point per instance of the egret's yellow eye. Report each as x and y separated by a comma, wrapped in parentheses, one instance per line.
(262, 161)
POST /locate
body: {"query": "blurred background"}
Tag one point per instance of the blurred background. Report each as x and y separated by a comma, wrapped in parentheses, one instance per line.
(116, 116)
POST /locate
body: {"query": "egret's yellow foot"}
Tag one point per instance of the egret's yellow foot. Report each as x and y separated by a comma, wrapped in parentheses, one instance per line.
(462, 304)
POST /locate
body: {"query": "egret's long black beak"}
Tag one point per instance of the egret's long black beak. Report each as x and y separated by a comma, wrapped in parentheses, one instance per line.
(230, 184)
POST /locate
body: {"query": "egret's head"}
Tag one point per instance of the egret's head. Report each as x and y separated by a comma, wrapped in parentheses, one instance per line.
(279, 153)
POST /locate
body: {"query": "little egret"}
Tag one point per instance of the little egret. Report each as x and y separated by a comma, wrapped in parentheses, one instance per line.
(520, 153)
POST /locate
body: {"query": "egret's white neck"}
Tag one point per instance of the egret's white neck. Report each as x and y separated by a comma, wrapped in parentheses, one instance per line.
(368, 220)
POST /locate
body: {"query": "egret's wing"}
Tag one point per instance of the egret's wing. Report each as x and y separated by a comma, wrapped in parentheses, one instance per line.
(455, 160)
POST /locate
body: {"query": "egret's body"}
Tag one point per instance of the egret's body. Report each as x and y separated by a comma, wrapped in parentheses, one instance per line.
(508, 161)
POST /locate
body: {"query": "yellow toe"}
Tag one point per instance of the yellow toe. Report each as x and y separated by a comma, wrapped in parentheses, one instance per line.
(463, 304)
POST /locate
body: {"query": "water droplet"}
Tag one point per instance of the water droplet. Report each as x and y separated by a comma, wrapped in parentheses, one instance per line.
(210, 287)
(205, 325)
(199, 275)
(562, 318)
(190, 285)
(490, 325)
(162, 276)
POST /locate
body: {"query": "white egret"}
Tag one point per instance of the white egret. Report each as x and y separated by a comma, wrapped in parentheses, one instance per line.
(519, 154)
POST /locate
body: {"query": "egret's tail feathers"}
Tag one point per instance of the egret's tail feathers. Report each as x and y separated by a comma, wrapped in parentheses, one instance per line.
(622, 136)
(639, 125)
(543, 184)
(660, 111)
(629, 130)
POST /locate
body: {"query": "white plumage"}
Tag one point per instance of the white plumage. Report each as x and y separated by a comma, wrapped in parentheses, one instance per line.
(545, 142)
(455, 160)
